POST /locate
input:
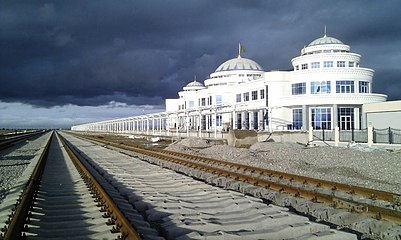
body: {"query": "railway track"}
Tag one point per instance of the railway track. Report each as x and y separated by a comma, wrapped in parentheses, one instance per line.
(369, 202)
(157, 202)
(58, 198)
(181, 207)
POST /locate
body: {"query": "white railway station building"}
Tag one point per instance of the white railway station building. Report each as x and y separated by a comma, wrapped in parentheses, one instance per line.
(326, 88)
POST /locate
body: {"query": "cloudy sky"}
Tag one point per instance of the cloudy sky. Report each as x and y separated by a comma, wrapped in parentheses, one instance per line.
(70, 62)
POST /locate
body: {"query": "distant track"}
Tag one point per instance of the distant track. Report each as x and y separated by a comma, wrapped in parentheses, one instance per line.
(8, 141)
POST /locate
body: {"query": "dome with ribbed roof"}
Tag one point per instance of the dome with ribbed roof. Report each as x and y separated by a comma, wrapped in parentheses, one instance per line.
(194, 85)
(239, 63)
(325, 40)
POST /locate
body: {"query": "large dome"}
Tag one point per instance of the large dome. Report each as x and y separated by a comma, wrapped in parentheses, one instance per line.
(325, 40)
(239, 63)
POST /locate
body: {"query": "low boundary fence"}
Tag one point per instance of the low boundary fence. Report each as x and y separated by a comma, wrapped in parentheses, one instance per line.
(386, 135)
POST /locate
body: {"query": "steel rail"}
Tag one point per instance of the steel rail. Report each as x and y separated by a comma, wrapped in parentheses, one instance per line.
(370, 193)
(18, 217)
(363, 208)
(105, 201)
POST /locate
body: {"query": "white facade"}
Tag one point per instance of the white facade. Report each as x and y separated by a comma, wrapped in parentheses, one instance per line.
(326, 88)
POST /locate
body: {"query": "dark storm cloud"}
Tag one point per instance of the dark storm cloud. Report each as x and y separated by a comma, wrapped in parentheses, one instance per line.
(140, 52)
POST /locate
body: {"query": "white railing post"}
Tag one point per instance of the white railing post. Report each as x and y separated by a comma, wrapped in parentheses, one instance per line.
(370, 135)
(336, 136)
(310, 139)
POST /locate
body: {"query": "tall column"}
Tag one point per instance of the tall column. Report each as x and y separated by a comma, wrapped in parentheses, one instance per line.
(270, 117)
(335, 116)
(215, 123)
(234, 120)
(200, 124)
(305, 117)
(187, 123)
(147, 125)
(160, 125)
(153, 125)
(177, 122)
(357, 124)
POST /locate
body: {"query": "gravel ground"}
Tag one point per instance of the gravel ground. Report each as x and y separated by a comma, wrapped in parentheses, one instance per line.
(366, 167)
(14, 161)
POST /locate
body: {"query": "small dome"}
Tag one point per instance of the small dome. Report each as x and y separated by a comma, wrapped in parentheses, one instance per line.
(239, 63)
(194, 86)
(325, 40)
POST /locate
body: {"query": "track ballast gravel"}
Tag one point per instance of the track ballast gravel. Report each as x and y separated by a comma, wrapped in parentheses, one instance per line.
(366, 167)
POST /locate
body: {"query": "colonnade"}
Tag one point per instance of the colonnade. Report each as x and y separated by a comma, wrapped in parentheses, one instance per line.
(211, 121)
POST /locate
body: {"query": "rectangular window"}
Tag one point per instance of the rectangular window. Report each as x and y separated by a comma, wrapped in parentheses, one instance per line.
(191, 104)
(203, 102)
(218, 99)
(218, 120)
(304, 66)
(340, 64)
(320, 87)
(210, 100)
(363, 87)
(238, 97)
(298, 88)
(315, 65)
(328, 64)
(345, 86)
(246, 96)
(296, 67)
(262, 94)
(351, 64)
(297, 118)
(321, 118)
(254, 95)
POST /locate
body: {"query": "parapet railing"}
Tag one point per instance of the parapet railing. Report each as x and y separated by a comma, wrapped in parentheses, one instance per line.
(384, 135)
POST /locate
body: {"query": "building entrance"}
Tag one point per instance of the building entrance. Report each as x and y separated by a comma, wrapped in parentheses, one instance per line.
(345, 123)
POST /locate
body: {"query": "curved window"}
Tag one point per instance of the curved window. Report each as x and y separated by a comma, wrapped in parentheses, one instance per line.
(328, 64)
(345, 86)
(340, 64)
(218, 99)
(363, 87)
(298, 88)
(238, 97)
(245, 96)
(315, 65)
(320, 87)
(254, 95)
